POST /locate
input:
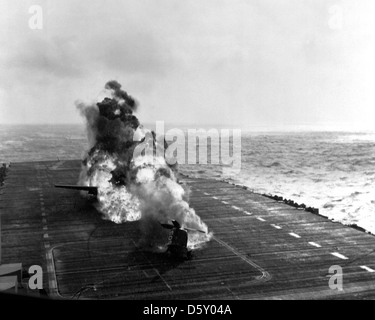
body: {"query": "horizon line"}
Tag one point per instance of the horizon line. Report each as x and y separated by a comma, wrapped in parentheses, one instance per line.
(250, 128)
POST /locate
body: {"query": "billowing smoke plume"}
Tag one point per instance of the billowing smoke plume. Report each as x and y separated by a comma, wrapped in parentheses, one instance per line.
(133, 184)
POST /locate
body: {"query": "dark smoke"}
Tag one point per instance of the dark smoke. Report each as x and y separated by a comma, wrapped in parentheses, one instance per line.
(133, 186)
(121, 94)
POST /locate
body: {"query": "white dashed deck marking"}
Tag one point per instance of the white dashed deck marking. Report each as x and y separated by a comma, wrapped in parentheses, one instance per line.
(295, 235)
(367, 269)
(339, 255)
(315, 244)
(276, 226)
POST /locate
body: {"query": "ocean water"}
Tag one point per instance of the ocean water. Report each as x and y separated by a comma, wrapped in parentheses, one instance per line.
(20, 143)
(332, 171)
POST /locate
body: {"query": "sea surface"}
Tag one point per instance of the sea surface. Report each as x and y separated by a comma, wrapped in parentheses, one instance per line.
(332, 171)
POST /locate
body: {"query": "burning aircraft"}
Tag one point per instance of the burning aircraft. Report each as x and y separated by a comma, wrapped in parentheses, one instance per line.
(126, 169)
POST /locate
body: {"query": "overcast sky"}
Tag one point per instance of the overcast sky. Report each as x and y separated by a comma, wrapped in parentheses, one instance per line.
(249, 64)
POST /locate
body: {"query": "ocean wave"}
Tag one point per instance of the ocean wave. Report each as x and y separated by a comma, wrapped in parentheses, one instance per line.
(273, 164)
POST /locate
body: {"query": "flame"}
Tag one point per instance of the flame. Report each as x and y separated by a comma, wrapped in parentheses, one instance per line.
(130, 188)
(163, 198)
(151, 195)
(115, 202)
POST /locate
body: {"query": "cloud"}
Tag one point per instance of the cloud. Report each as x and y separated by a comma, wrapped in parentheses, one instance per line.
(268, 60)
(46, 57)
(138, 53)
(80, 39)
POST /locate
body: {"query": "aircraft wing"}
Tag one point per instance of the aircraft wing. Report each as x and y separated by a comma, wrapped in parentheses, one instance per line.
(167, 226)
(90, 190)
(171, 226)
(197, 230)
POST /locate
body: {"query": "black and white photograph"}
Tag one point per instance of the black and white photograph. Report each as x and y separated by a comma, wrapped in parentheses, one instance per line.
(184, 155)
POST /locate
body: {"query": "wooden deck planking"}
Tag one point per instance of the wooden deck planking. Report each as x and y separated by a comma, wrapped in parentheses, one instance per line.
(248, 258)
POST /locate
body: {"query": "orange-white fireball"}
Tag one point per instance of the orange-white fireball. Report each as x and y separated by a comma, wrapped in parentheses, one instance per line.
(132, 185)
